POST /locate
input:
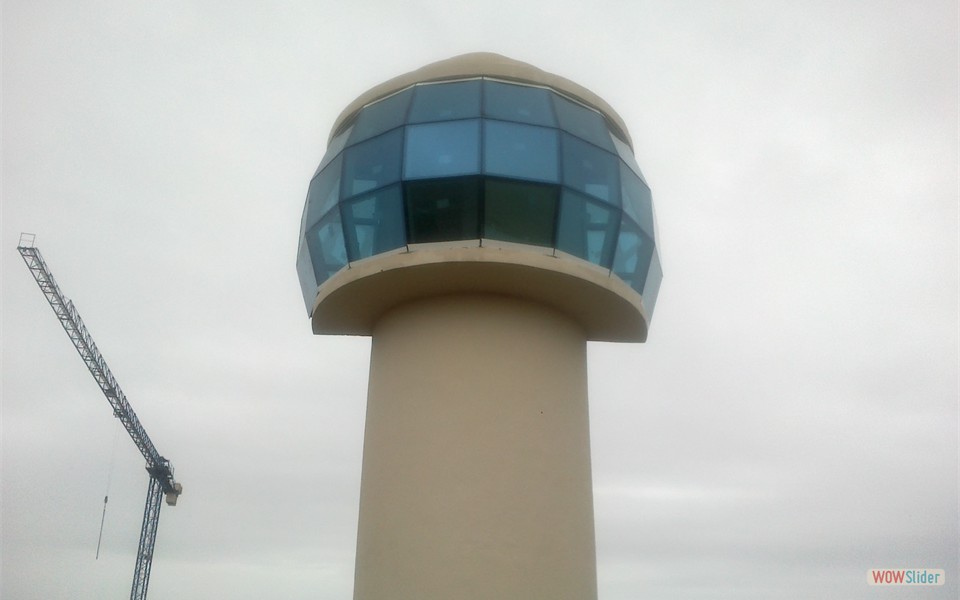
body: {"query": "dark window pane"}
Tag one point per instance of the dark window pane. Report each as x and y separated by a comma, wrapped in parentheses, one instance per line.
(372, 164)
(517, 103)
(439, 211)
(524, 151)
(519, 212)
(582, 122)
(637, 200)
(591, 170)
(381, 116)
(325, 243)
(373, 223)
(323, 193)
(442, 149)
(587, 228)
(445, 101)
(632, 260)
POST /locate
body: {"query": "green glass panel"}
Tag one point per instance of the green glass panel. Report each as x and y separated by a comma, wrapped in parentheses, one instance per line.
(591, 170)
(442, 149)
(334, 148)
(323, 194)
(372, 164)
(519, 212)
(381, 116)
(651, 287)
(442, 210)
(626, 154)
(522, 151)
(308, 280)
(373, 223)
(634, 251)
(582, 122)
(445, 101)
(587, 228)
(517, 103)
(325, 244)
(637, 201)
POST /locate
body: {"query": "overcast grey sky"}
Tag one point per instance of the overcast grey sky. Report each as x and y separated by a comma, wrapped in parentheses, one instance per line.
(791, 423)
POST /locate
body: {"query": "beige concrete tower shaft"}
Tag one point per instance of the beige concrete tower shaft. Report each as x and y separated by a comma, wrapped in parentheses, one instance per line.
(476, 461)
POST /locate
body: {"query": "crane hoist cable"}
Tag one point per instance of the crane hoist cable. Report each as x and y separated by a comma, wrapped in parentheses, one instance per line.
(106, 494)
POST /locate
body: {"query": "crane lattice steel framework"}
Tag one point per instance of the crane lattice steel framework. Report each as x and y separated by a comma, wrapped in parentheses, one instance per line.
(160, 470)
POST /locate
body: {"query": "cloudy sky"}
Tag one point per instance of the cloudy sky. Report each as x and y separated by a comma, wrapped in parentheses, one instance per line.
(791, 423)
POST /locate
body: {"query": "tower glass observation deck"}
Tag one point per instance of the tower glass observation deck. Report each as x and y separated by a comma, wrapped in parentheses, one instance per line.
(480, 158)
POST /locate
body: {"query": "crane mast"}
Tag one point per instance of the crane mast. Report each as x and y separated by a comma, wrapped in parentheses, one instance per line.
(162, 482)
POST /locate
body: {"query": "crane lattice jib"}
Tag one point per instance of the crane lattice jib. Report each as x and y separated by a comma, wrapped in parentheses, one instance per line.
(158, 467)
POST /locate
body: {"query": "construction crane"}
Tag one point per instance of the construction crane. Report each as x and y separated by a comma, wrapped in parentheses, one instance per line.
(160, 470)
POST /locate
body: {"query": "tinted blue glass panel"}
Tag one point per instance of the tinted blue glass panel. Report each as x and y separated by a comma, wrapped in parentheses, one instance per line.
(442, 210)
(381, 116)
(632, 259)
(524, 151)
(308, 281)
(442, 149)
(636, 200)
(519, 212)
(445, 101)
(372, 164)
(325, 244)
(587, 228)
(582, 122)
(651, 288)
(333, 149)
(323, 193)
(591, 170)
(373, 223)
(626, 154)
(517, 103)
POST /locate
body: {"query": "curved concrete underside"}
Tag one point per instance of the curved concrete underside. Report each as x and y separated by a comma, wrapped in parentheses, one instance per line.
(351, 302)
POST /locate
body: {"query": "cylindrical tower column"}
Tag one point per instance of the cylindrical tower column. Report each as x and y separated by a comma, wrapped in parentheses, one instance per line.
(476, 459)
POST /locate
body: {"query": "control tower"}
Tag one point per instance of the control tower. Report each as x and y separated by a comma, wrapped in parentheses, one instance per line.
(482, 220)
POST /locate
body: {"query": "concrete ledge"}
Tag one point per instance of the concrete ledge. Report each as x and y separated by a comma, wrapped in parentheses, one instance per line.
(350, 302)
